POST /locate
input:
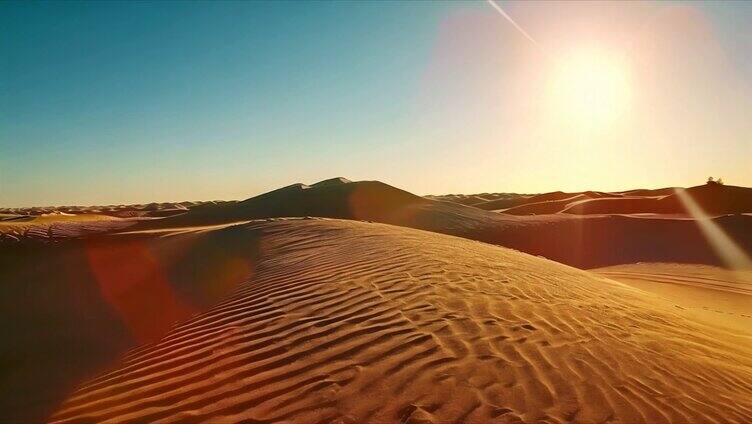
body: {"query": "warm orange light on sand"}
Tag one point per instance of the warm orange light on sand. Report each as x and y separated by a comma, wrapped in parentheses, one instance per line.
(590, 88)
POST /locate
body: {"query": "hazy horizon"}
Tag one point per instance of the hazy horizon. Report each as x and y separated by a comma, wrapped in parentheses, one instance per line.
(109, 103)
(265, 190)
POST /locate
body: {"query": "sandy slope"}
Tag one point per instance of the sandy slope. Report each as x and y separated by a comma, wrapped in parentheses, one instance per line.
(344, 321)
(368, 322)
(57, 226)
(487, 201)
(118, 211)
(584, 241)
(717, 296)
(714, 199)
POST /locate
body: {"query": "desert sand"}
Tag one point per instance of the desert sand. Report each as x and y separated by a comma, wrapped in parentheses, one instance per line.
(716, 296)
(360, 302)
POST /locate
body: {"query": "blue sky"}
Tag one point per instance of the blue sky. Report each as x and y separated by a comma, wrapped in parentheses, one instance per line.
(128, 96)
(109, 102)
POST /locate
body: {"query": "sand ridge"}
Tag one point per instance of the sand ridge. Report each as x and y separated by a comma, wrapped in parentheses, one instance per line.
(345, 321)
(585, 241)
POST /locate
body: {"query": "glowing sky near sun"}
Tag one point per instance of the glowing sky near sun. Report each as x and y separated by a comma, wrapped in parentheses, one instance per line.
(135, 102)
(620, 95)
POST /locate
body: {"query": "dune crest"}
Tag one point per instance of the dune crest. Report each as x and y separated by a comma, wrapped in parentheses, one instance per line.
(345, 321)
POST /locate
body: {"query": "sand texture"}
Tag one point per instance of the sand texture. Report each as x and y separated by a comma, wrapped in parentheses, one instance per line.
(358, 302)
(355, 322)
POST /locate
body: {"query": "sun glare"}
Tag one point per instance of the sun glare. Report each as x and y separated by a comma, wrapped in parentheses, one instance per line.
(590, 89)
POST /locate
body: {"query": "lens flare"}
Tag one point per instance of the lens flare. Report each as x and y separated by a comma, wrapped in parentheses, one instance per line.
(731, 254)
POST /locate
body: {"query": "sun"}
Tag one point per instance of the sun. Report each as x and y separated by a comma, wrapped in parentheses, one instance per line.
(591, 89)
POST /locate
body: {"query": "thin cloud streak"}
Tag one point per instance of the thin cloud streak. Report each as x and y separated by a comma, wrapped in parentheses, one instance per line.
(511, 21)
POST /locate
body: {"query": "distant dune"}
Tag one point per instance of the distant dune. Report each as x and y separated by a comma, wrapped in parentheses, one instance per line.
(335, 198)
(584, 239)
(502, 203)
(545, 207)
(713, 199)
(487, 201)
(650, 192)
(119, 211)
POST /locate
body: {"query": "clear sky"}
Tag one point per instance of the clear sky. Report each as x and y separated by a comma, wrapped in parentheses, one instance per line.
(107, 102)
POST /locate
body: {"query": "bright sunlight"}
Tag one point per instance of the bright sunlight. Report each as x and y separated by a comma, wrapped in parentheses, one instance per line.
(590, 89)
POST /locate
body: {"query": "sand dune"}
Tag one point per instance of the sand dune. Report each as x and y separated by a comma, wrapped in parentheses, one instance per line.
(554, 195)
(72, 305)
(545, 200)
(714, 295)
(118, 211)
(651, 192)
(51, 227)
(338, 198)
(714, 199)
(486, 201)
(584, 241)
(620, 205)
(343, 321)
(474, 200)
(229, 312)
(545, 207)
